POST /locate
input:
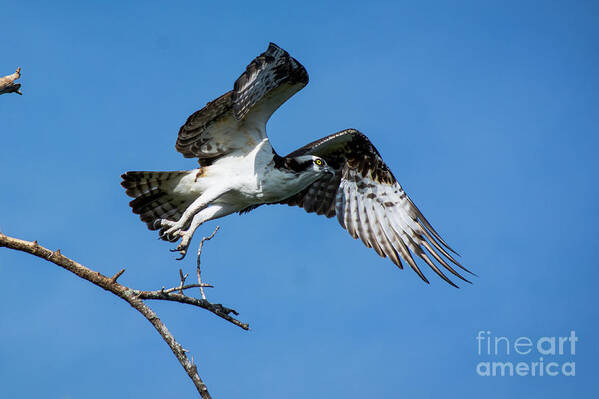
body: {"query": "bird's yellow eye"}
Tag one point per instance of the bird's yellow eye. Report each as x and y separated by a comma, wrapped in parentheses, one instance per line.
(318, 162)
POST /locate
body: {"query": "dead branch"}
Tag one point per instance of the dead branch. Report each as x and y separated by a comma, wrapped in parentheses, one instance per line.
(135, 298)
(8, 85)
(202, 285)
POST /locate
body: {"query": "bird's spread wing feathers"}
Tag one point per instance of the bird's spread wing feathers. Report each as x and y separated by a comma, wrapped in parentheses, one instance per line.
(237, 119)
(371, 205)
(209, 132)
(268, 81)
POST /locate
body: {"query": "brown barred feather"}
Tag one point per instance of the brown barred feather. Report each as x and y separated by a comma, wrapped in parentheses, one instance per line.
(153, 196)
(268, 81)
(270, 70)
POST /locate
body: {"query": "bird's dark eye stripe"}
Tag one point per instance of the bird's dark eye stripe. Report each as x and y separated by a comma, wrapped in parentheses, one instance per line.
(305, 165)
(296, 166)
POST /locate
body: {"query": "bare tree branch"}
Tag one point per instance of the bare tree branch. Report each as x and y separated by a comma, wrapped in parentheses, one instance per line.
(202, 285)
(8, 85)
(135, 298)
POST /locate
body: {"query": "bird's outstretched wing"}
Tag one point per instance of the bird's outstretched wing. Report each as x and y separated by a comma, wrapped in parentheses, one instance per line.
(371, 205)
(236, 121)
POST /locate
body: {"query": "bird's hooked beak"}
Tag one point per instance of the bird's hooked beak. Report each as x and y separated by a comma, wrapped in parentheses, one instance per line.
(329, 170)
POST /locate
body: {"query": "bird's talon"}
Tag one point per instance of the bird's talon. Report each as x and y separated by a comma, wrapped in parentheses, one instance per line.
(182, 251)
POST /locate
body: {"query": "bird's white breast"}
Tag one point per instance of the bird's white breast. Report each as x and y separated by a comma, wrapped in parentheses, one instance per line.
(238, 176)
(244, 179)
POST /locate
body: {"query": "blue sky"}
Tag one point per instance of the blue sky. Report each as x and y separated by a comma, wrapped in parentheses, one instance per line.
(485, 111)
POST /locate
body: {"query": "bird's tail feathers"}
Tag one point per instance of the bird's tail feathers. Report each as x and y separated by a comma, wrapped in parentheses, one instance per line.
(154, 197)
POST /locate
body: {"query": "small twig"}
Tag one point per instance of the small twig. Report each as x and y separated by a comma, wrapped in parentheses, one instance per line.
(185, 287)
(134, 298)
(183, 278)
(198, 262)
(117, 275)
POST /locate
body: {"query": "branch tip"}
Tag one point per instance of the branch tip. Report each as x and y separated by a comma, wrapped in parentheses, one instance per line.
(116, 276)
(8, 85)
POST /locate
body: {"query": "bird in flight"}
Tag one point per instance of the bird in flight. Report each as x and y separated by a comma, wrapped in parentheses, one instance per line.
(341, 175)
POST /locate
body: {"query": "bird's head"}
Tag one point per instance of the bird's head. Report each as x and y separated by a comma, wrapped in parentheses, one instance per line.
(309, 165)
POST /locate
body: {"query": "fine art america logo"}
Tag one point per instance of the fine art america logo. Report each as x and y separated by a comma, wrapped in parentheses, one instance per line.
(526, 356)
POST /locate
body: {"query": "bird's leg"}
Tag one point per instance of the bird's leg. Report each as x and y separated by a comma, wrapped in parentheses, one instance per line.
(161, 224)
(202, 216)
(187, 235)
(165, 225)
(196, 206)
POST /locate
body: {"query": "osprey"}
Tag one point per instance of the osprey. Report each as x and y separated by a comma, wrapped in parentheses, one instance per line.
(340, 175)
